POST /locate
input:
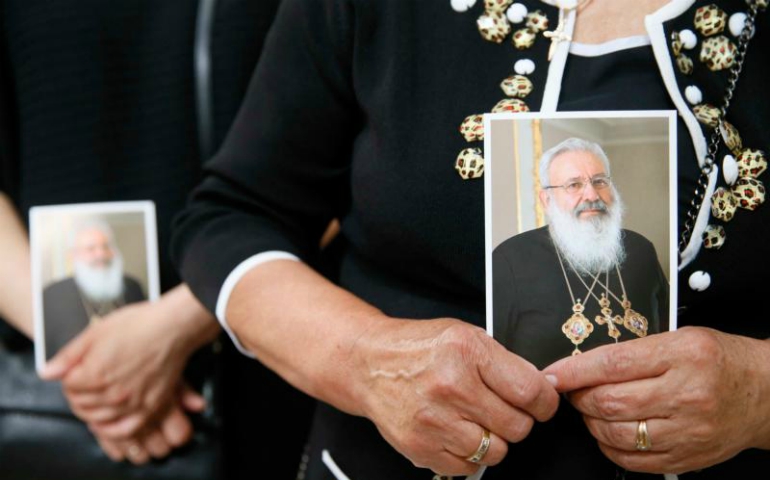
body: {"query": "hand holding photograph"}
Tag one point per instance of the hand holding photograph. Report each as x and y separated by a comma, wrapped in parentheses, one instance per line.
(87, 261)
(579, 244)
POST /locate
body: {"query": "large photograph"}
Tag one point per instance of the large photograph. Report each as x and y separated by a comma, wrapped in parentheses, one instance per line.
(87, 261)
(579, 226)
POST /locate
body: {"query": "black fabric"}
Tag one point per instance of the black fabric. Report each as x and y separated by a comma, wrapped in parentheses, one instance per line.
(40, 438)
(353, 114)
(101, 108)
(531, 299)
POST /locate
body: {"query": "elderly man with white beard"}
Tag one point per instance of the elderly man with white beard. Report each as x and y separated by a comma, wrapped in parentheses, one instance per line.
(98, 286)
(583, 280)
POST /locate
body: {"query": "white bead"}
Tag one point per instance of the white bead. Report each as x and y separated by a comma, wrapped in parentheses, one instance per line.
(700, 281)
(693, 95)
(462, 5)
(517, 13)
(730, 169)
(524, 66)
(736, 23)
(688, 38)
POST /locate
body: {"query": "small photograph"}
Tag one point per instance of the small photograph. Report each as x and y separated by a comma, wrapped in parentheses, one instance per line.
(87, 261)
(580, 229)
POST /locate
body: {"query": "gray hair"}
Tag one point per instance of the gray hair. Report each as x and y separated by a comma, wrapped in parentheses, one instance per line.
(91, 224)
(570, 145)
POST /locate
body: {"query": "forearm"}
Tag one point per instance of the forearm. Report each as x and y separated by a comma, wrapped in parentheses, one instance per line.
(189, 323)
(16, 290)
(303, 327)
(762, 375)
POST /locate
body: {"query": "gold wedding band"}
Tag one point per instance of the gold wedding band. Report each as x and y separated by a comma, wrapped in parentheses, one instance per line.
(478, 455)
(643, 442)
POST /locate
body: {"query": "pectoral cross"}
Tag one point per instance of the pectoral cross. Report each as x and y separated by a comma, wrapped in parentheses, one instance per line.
(557, 36)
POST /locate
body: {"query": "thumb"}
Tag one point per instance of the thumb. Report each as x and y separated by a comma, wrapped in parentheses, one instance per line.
(191, 400)
(67, 357)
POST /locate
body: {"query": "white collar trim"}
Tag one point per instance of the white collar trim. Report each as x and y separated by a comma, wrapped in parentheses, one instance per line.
(616, 45)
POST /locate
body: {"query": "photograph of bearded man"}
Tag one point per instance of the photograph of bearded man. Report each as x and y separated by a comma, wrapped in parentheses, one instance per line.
(98, 285)
(582, 280)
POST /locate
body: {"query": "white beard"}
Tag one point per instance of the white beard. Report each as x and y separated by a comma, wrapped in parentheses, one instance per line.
(592, 245)
(101, 284)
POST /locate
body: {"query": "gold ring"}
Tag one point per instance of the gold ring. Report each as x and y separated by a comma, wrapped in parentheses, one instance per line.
(643, 442)
(478, 455)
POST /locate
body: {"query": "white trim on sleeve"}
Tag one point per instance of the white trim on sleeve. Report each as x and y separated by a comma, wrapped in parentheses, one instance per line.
(232, 280)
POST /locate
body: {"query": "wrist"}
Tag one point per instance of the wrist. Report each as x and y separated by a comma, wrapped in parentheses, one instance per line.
(190, 324)
(760, 420)
(342, 379)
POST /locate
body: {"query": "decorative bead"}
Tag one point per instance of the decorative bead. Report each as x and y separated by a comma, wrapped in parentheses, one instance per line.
(524, 38)
(537, 21)
(707, 114)
(462, 5)
(736, 23)
(510, 105)
(699, 281)
(714, 237)
(730, 169)
(749, 193)
(524, 66)
(762, 4)
(472, 128)
(693, 94)
(516, 86)
(710, 20)
(751, 163)
(684, 63)
(731, 137)
(723, 204)
(688, 38)
(470, 163)
(497, 5)
(718, 53)
(517, 13)
(493, 26)
(676, 44)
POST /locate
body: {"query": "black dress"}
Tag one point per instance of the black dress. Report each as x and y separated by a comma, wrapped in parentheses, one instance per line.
(353, 114)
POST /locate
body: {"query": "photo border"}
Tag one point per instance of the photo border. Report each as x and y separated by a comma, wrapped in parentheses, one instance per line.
(671, 115)
(145, 207)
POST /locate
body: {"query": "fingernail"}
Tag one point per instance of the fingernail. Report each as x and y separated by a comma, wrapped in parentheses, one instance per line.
(552, 380)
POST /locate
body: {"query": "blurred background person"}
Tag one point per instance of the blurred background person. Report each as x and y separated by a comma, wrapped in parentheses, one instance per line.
(144, 93)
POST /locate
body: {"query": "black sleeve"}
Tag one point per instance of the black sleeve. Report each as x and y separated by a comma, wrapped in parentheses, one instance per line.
(282, 173)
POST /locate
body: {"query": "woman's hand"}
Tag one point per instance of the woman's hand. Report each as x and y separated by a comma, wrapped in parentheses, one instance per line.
(702, 394)
(432, 386)
(121, 372)
(170, 430)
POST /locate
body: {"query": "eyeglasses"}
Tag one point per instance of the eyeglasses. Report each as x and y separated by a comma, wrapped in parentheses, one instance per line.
(573, 187)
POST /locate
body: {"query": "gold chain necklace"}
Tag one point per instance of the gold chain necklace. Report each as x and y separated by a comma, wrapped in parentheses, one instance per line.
(577, 327)
(634, 321)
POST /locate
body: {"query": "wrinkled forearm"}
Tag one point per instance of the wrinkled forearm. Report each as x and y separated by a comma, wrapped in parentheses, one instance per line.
(305, 328)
